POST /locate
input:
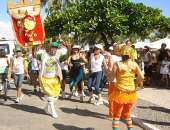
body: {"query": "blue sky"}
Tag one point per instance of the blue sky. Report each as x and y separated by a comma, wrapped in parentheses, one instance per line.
(3, 11)
(164, 5)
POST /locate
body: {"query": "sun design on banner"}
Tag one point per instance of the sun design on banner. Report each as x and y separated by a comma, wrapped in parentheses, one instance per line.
(29, 25)
(26, 21)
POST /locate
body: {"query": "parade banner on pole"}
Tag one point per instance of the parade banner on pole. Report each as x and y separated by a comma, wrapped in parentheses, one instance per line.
(26, 22)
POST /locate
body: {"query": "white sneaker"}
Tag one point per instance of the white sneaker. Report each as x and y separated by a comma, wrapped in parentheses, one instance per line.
(83, 94)
(21, 97)
(54, 115)
(76, 94)
(1, 87)
(52, 107)
(99, 102)
(53, 111)
(63, 95)
(17, 100)
(92, 99)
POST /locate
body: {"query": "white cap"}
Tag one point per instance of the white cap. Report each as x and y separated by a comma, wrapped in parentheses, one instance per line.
(76, 47)
(99, 46)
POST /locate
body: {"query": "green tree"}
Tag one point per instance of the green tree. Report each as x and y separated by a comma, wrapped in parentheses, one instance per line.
(106, 21)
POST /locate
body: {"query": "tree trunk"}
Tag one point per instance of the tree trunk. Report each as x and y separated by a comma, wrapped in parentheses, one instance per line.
(104, 38)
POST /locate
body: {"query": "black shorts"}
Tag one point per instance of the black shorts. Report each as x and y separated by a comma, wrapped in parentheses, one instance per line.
(148, 71)
(64, 73)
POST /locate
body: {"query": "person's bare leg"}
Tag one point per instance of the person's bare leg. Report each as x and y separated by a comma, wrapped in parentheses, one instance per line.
(82, 91)
(63, 89)
(18, 91)
(19, 95)
(167, 81)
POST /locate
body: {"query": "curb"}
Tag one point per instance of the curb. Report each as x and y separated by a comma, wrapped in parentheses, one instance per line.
(136, 120)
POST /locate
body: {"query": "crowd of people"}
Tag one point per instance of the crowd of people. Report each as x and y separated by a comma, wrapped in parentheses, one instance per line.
(156, 66)
(51, 66)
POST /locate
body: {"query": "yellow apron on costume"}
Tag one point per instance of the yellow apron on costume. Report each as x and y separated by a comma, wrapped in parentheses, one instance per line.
(50, 86)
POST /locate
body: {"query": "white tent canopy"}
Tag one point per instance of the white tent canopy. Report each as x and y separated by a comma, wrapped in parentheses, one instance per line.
(139, 45)
(157, 44)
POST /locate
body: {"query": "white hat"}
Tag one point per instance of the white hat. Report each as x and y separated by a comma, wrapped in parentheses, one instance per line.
(99, 46)
(76, 47)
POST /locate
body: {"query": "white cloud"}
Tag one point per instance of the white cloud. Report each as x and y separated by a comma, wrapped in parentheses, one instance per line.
(6, 30)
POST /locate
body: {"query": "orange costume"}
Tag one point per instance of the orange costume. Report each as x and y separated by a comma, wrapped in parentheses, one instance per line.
(122, 93)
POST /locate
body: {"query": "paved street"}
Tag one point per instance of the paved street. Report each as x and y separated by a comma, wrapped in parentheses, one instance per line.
(29, 115)
(153, 107)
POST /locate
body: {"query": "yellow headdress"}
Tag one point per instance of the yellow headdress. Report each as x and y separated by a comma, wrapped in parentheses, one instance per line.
(131, 52)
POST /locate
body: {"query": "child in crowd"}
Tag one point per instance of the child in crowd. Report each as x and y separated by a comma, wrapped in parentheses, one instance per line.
(164, 71)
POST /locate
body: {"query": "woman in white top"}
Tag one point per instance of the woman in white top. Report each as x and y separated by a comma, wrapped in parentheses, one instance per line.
(4, 64)
(96, 63)
(18, 70)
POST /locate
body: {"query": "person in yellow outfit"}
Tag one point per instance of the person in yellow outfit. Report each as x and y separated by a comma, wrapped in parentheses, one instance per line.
(50, 77)
(123, 94)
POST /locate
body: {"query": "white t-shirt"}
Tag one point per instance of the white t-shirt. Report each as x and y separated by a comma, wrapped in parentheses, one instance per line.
(34, 64)
(165, 68)
(96, 64)
(18, 65)
(50, 67)
(146, 57)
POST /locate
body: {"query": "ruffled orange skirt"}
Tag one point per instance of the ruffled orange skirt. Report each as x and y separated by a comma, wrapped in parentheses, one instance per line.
(120, 97)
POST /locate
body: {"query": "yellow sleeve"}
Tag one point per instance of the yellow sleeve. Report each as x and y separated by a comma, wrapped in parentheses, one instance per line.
(26, 64)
